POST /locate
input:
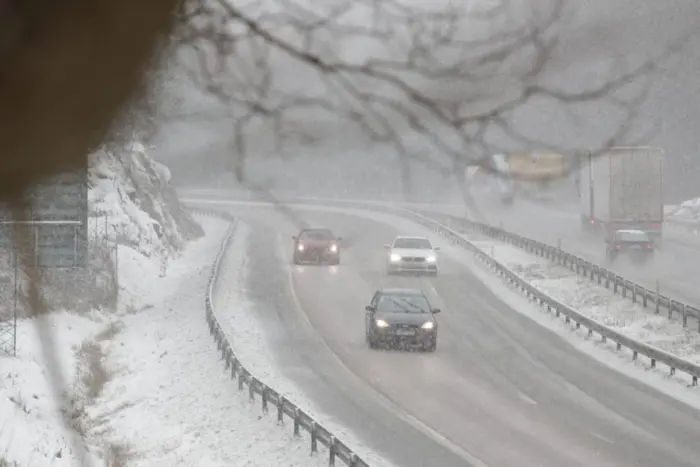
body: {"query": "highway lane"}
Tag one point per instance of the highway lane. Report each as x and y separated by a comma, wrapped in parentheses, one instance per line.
(500, 387)
(307, 361)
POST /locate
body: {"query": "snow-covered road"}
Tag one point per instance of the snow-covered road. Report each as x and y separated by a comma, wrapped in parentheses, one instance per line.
(486, 342)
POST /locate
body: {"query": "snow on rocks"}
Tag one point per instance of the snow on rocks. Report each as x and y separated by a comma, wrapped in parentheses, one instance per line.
(597, 302)
(133, 204)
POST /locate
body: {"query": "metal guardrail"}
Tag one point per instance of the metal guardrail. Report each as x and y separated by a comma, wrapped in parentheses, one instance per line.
(581, 266)
(269, 398)
(686, 227)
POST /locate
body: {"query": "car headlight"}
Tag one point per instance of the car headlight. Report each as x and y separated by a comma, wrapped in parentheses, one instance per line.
(430, 259)
(394, 257)
(300, 247)
(334, 248)
(428, 325)
(381, 323)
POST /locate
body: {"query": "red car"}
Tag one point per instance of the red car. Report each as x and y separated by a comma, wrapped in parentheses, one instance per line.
(316, 246)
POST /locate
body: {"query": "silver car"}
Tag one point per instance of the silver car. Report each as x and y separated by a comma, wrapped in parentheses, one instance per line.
(412, 254)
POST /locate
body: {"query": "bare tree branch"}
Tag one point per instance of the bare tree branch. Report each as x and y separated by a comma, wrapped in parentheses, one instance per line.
(443, 73)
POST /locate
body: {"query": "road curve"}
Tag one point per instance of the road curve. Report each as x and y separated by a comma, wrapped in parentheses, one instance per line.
(500, 389)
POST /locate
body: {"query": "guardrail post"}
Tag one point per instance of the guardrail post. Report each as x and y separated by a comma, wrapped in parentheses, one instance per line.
(264, 399)
(331, 451)
(353, 460)
(241, 379)
(280, 409)
(558, 249)
(234, 367)
(634, 293)
(658, 287)
(695, 381)
(251, 389)
(297, 421)
(685, 315)
(670, 309)
(314, 438)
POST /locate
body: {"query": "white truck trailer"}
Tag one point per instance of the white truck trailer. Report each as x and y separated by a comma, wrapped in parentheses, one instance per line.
(622, 188)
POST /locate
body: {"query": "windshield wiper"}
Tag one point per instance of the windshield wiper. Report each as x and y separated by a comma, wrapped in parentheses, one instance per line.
(403, 308)
(414, 306)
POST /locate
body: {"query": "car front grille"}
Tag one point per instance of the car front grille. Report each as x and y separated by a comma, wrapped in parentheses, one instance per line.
(413, 259)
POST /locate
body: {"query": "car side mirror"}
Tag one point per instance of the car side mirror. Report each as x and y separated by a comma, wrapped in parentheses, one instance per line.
(339, 238)
(437, 248)
(294, 237)
(387, 246)
(369, 308)
(435, 311)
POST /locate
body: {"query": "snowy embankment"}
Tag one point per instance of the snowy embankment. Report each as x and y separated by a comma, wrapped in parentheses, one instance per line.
(597, 302)
(140, 381)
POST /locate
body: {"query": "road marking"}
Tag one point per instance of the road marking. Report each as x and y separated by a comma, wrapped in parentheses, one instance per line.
(526, 398)
(381, 399)
(601, 437)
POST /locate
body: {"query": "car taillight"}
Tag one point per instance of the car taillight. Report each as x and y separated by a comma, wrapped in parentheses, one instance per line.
(617, 247)
(656, 226)
(300, 247)
(649, 246)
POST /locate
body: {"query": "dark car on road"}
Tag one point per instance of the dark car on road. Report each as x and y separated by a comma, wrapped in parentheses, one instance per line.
(319, 246)
(636, 244)
(401, 317)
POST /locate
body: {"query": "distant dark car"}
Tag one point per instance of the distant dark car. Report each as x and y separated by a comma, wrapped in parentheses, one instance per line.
(636, 244)
(319, 246)
(403, 317)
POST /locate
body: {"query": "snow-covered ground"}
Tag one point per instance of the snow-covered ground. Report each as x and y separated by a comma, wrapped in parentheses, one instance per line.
(597, 302)
(235, 312)
(688, 211)
(147, 386)
(139, 382)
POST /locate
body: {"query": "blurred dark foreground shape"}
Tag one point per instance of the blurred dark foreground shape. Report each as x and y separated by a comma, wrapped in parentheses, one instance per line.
(67, 69)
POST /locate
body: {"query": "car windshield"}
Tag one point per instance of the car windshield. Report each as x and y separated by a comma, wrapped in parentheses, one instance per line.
(413, 243)
(316, 235)
(407, 303)
(632, 237)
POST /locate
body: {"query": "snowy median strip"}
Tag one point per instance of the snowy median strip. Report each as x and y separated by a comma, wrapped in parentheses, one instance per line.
(596, 302)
